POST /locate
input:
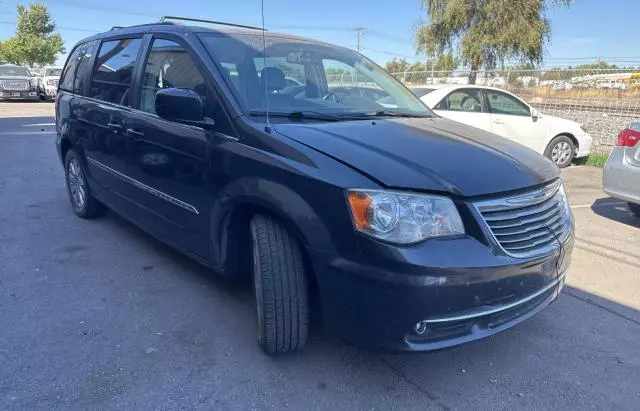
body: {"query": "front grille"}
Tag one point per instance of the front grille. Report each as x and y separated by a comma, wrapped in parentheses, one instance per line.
(529, 224)
(15, 85)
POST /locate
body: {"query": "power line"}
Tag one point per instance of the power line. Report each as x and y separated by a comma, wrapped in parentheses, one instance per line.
(322, 28)
(391, 53)
(116, 10)
(11, 23)
(386, 36)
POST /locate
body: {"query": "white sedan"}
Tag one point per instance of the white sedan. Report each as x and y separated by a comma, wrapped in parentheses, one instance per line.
(503, 113)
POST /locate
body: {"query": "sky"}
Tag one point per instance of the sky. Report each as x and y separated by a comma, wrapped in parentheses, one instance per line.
(587, 30)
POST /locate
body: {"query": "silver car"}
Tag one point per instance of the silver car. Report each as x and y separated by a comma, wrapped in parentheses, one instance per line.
(621, 178)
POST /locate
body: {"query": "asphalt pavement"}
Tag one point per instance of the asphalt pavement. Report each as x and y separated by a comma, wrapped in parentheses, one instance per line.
(99, 315)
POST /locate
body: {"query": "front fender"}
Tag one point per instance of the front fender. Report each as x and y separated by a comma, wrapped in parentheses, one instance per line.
(279, 200)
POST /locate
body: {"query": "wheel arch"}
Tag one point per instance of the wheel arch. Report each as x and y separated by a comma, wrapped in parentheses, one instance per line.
(65, 146)
(231, 214)
(571, 136)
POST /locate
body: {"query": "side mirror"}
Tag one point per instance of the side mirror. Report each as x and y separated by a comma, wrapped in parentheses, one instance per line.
(534, 114)
(181, 105)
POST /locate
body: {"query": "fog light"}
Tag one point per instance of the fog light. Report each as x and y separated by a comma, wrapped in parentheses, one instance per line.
(420, 327)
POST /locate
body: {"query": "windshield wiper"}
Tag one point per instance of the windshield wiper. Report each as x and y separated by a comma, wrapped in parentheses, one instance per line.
(299, 115)
(390, 113)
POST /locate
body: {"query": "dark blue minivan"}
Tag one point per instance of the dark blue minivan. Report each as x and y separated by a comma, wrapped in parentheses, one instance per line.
(308, 169)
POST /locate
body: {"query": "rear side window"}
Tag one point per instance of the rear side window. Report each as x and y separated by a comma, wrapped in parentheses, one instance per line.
(114, 68)
(77, 70)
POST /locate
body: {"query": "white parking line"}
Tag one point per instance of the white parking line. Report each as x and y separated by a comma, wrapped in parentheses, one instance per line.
(39, 125)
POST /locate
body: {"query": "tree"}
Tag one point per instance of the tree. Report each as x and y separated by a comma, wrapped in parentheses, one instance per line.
(396, 66)
(418, 72)
(486, 32)
(445, 64)
(555, 74)
(35, 41)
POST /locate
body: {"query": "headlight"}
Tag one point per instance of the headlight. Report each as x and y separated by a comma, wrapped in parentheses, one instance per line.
(583, 128)
(403, 218)
(565, 200)
(33, 83)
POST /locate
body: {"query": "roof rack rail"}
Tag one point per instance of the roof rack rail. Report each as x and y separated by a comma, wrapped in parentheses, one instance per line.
(222, 23)
(141, 25)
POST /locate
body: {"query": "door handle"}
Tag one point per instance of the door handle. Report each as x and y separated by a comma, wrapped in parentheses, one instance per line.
(497, 122)
(138, 135)
(115, 127)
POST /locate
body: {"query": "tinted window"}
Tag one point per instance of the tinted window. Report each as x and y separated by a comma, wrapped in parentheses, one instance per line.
(462, 100)
(53, 72)
(168, 65)
(78, 68)
(114, 70)
(14, 71)
(501, 103)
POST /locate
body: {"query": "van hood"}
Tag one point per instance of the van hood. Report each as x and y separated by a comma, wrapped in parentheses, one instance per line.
(431, 154)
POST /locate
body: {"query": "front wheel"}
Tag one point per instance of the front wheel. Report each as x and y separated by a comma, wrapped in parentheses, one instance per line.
(561, 151)
(280, 287)
(634, 208)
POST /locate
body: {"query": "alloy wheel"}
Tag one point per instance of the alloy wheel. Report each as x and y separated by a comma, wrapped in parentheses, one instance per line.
(77, 186)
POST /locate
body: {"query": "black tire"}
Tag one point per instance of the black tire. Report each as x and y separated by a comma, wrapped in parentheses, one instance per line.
(634, 208)
(560, 143)
(76, 179)
(280, 287)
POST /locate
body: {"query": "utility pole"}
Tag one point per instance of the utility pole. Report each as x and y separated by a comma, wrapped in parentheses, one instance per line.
(432, 63)
(359, 32)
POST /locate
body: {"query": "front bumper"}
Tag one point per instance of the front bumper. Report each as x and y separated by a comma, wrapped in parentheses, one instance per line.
(434, 295)
(620, 179)
(585, 143)
(51, 92)
(18, 95)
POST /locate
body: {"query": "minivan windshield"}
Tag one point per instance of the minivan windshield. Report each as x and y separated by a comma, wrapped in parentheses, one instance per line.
(294, 76)
(14, 71)
(53, 72)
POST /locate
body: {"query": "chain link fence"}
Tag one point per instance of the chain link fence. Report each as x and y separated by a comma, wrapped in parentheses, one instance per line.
(604, 101)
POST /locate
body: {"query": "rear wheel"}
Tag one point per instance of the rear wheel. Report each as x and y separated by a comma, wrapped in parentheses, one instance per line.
(634, 208)
(280, 287)
(82, 201)
(561, 151)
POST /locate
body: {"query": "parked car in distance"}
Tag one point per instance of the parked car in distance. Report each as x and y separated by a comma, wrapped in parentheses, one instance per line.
(321, 194)
(506, 115)
(36, 72)
(17, 83)
(48, 83)
(621, 176)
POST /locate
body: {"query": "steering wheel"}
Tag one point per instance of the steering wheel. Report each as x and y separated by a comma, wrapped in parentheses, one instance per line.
(334, 95)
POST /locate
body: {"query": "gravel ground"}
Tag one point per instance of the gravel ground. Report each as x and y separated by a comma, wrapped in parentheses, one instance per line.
(98, 315)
